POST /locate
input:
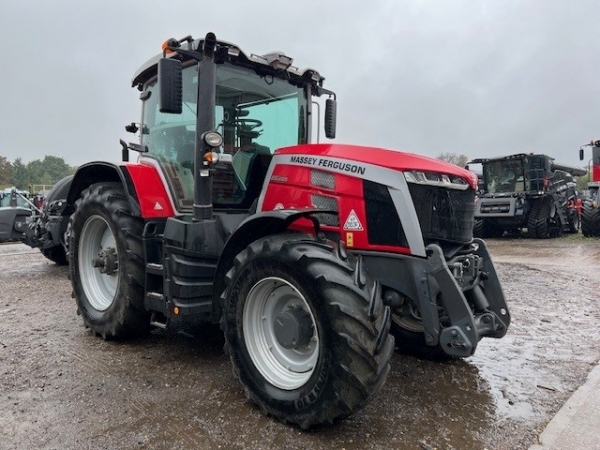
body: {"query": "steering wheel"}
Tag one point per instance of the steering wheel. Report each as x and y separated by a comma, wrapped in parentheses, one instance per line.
(252, 122)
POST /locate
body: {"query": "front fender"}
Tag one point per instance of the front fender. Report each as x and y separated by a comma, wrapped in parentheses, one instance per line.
(255, 227)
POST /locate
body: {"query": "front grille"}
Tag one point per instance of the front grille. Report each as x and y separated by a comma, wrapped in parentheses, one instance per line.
(444, 214)
(494, 208)
(322, 179)
(324, 202)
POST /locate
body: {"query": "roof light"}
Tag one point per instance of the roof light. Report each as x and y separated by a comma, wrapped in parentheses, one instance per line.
(168, 45)
(233, 51)
(278, 60)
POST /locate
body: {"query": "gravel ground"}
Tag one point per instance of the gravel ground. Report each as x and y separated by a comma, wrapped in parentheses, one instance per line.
(61, 388)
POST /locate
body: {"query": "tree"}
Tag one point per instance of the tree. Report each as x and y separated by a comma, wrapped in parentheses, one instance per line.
(453, 158)
(582, 182)
(5, 167)
(37, 172)
(19, 175)
(48, 171)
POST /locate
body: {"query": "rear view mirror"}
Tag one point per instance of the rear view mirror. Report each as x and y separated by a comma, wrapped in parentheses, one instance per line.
(170, 85)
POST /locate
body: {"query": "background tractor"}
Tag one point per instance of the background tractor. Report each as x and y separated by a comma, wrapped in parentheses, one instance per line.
(590, 215)
(15, 209)
(526, 193)
(306, 254)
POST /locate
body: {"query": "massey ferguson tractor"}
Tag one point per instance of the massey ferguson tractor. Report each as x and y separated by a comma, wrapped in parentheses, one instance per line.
(590, 213)
(306, 254)
(526, 193)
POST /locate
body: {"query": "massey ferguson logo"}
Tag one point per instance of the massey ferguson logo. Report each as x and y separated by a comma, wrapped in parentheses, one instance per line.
(329, 164)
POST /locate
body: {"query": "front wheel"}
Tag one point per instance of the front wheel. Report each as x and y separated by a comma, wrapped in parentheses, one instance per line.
(306, 329)
(106, 268)
(409, 332)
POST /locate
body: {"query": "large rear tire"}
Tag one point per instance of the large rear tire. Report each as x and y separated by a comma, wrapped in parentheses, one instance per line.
(306, 329)
(107, 271)
(590, 219)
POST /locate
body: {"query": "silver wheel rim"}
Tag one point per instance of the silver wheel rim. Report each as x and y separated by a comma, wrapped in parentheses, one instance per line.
(285, 368)
(99, 288)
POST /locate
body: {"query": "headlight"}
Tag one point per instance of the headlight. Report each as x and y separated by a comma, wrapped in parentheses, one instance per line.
(212, 139)
(436, 179)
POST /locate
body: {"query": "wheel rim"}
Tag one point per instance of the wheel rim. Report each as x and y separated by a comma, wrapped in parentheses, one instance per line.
(97, 241)
(269, 300)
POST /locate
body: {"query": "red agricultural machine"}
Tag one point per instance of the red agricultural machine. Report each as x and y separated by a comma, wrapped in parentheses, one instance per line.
(306, 254)
(590, 214)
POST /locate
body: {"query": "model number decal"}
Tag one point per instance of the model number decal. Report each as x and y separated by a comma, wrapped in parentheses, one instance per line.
(329, 164)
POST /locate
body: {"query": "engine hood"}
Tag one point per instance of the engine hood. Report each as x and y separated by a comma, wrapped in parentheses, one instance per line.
(392, 159)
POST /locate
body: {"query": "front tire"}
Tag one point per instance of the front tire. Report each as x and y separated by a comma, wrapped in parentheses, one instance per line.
(409, 333)
(485, 228)
(106, 268)
(306, 329)
(538, 222)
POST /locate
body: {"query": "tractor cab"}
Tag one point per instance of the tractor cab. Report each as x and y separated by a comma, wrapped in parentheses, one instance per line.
(262, 103)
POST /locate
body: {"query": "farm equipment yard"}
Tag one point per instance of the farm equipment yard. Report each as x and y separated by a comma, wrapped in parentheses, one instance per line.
(62, 388)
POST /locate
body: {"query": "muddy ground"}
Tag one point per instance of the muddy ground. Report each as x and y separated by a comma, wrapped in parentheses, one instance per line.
(61, 388)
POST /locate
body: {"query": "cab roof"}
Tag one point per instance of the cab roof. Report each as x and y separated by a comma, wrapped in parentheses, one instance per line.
(273, 63)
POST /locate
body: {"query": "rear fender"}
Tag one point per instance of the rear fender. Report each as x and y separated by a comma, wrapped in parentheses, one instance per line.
(255, 227)
(100, 172)
(143, 185)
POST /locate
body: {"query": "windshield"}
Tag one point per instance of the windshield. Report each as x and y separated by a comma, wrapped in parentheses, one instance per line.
(504, 176)
(255, 114)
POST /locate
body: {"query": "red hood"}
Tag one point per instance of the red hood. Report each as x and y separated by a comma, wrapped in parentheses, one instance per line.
(392, 159)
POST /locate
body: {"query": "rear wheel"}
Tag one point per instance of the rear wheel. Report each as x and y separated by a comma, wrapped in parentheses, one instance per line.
(590, 219)
(306, 329)
(106, 263)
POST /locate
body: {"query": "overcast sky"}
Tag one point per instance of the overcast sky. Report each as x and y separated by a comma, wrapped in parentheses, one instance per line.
(481, 78)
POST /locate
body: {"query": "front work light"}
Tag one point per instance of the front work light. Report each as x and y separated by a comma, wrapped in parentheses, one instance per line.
(212, 139)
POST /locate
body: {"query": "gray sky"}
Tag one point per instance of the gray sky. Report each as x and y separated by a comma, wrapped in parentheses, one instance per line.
(481, 78)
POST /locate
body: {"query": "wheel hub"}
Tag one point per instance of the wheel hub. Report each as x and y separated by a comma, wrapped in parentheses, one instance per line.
(106, 261)
(293, 328)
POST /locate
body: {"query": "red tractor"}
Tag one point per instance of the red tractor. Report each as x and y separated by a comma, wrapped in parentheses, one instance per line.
(306, 254)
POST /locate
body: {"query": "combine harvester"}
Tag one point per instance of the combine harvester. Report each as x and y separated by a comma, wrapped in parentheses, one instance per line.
(528, 193)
